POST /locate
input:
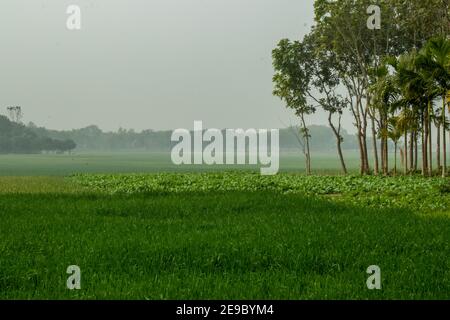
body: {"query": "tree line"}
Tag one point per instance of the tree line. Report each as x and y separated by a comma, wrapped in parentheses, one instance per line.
(92, 138)
(394, 81)
(17, 138)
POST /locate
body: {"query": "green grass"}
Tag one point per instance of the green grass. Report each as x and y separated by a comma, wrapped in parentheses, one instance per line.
(174, 240)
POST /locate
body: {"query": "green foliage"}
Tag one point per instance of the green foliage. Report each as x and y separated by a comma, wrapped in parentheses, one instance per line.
(16, 138)
(347, 52)
(292, 79)
(444, 188)
(412, 192)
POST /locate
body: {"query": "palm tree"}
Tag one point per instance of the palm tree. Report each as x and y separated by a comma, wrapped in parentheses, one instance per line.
(385, 99)
(412, 86)
(406, 121)
(435, 64)
(395, 132)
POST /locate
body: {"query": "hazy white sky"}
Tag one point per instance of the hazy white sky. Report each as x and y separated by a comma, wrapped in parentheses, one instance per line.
(142, 64)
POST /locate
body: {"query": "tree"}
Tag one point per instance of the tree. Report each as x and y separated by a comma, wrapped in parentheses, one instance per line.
(326, 81)
(342, 25)
(70, 145)
(413, 88)
(385, 99)
(292, 84)
(395, 132)
(17, 138)
(435, 68)
(15, 113)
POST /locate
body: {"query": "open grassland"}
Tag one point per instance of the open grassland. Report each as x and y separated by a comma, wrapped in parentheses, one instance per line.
(224, 236)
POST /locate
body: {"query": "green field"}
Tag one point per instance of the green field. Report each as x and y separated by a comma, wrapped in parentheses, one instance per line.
(216, 235)
(63, 165)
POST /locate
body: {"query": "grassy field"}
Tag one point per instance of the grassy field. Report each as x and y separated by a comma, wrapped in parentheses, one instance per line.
(223, 236)
(63, 165)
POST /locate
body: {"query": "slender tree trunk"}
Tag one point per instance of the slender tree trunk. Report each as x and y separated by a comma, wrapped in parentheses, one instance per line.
(386, 146)
(416, 151)
(360, 117)
(337, 133)
(444, 140)
(406, 152)
(424, 147)
(307, 153)
(438, 147)
(341, 156)
(376, 167)
(411, 151)
(402, 158)
(361, 153)
(364, 113)
(395, 158)
(383, 157)
(430, 142)
(366, 156)
(309, 156)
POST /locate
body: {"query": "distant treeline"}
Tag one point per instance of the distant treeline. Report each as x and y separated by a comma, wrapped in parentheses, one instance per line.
(18, 138)
(92, 138)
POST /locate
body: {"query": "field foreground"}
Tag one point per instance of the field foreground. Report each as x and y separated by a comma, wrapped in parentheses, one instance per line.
(224, 236)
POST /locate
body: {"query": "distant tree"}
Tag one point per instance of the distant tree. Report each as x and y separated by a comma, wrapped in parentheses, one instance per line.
(68, 146)
(17, 138)
(15, 113)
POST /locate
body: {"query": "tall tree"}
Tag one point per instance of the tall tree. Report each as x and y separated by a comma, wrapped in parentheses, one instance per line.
(326, 82)
(434, 63)
(343, 25)
(292, 82)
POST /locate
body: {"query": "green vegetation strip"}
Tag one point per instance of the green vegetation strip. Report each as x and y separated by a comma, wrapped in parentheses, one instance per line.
(412, 192)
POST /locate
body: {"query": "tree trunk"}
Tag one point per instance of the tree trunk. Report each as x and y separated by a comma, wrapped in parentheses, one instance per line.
(361, 153)
(444, 140)
(395, 159)
(366, 155)
(424, 146)
(337, 133)
(411, 151)
(341, 156)
(364, 111)
(386, 146)
(383, 157)
(307, 153)
(430, 142)
(406, 152)
(438, 147)
(416, 151)
(375, 148)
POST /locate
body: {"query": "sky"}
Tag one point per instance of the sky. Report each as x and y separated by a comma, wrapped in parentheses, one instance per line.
(148, 64)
